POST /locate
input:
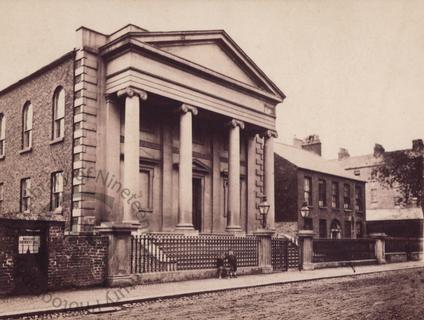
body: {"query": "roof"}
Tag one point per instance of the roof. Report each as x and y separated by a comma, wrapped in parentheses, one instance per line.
(310, 161)
(413, 213)
(354, 162)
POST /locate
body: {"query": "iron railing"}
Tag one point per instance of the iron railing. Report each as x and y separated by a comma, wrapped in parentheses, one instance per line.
(407, 245)
(173, 252)
(328, 250)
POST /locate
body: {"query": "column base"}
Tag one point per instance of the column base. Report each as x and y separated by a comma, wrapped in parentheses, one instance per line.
(120, 281)
(308, 266)
(235, 230)
(186, 229)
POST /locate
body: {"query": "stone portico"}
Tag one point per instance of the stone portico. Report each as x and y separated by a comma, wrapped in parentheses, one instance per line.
(173, 132)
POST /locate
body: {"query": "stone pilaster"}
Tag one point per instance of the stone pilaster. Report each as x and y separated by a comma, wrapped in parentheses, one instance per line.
(233, 215)
(185, 182)
(269, 175)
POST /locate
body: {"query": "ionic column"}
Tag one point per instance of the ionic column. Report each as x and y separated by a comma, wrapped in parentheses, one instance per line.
(131, 148)
(185, 182)
(269, 175)
(233, 214)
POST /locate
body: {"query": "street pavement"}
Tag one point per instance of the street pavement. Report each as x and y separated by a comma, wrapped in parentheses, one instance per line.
(101, 298)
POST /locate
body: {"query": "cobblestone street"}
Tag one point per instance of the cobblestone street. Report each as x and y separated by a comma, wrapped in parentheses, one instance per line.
(388, 295)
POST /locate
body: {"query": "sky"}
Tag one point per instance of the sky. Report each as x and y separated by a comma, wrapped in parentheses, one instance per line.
(352, 71)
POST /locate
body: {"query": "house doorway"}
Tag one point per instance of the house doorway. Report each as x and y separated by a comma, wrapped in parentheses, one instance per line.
(197, 203)
(336, 230)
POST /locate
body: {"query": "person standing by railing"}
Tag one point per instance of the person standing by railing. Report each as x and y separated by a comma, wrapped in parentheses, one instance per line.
(220, 265)
(232, 262)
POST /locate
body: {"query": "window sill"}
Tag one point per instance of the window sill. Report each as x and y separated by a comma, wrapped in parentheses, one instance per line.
(57, 140)
(29, 149)
(323, 207)
(347, 210)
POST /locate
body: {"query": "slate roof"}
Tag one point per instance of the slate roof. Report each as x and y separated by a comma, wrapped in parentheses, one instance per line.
(310, 161)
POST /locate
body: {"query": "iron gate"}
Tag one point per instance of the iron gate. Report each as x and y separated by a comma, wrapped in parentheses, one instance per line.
(284, 254)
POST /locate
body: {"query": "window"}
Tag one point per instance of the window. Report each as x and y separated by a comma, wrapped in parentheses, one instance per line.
(27, 126)
(346, 196)
(323, 228)
(2, 134)
(358, 199)
(146, 188)
(308, 224)
(374, 195)
(1, 194)
(322, 190)
(307, 191)
(25, 195)
(57, 190)
(359, 230)
(348, 229)
(58, 114)
(335, 195)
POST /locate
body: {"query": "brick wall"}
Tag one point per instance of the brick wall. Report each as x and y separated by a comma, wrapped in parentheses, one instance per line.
(76, 260)
(7, 251)
(45, 157)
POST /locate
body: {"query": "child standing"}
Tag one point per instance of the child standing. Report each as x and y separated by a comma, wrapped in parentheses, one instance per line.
(220, 265)
(232, 262)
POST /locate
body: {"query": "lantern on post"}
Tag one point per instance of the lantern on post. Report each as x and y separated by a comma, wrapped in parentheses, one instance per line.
(263, 211)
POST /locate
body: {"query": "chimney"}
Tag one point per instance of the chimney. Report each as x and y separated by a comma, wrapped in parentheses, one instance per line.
(297, 142)
(417, 145)
(413, 202)
(343, 153)
(312, 144)
(378, 150)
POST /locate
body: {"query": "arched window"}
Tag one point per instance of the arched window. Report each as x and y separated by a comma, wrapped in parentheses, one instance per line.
(58, 130)
(27, 126)
(2, 134)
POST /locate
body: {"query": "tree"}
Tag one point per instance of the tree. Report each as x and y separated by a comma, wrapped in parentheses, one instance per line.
(404, 170)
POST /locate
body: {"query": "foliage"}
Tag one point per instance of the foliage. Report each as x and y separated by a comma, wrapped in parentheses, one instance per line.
(402, 170)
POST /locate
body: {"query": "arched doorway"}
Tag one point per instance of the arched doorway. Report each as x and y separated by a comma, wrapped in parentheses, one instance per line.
(335, 230)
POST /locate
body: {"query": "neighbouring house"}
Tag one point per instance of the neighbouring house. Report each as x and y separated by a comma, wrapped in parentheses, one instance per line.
(158, 131)
(333, 198)
(387, 212)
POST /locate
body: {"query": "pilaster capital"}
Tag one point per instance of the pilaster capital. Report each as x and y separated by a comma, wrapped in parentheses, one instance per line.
(269, 134)
(188, 108)
(236, 123)
(131, 92)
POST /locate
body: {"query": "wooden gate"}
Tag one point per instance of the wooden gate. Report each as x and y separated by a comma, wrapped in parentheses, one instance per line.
(285, 254)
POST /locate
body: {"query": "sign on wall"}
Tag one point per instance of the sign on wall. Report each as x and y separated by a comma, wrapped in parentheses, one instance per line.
(29, 244)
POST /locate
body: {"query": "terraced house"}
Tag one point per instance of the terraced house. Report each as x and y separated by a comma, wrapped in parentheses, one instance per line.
(163, 131)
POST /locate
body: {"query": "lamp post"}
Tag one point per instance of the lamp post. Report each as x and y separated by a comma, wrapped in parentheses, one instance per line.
(263, 211)
(305, 212)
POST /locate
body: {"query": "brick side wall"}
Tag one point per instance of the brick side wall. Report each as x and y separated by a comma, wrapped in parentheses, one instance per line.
(44, 158)
(7, 252)
(76, 260)
(285, 190)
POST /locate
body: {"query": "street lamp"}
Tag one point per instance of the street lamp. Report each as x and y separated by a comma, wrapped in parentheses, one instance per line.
(304, 211)
(263, 211)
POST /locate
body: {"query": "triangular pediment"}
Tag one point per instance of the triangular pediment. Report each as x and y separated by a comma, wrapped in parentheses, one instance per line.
(213, 50)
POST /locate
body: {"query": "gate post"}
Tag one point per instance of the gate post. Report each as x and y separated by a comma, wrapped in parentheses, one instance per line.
(306, 245)
(379, 247)
(119, 253)
(265, 254)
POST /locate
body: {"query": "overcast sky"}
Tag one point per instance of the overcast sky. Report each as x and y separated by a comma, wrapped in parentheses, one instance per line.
(353, 71)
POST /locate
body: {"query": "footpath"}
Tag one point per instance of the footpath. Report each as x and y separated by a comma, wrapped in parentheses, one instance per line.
(103, 298)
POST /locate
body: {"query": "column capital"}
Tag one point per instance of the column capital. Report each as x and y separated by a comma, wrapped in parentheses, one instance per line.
(184, 108)
(269, 134)
(236, 123)
(131, 92)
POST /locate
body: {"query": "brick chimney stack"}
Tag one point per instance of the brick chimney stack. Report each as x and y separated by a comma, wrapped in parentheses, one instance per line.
(312, 143)
(417, 145)
(343, 154)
